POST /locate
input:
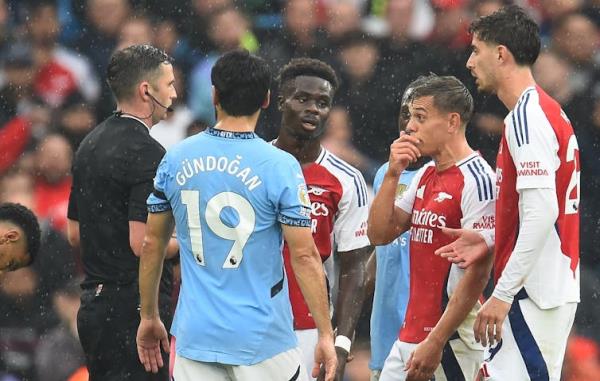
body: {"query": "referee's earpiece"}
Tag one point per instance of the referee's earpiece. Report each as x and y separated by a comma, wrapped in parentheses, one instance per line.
(168, 109)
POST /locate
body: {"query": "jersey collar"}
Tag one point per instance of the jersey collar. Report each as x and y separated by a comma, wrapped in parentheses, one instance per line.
(231, 134)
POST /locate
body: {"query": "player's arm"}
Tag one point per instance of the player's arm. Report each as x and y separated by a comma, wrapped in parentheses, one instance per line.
(151, 332)
(308, 268)
(539, 208)
(353, 290)
(386, 220)
(73, 233)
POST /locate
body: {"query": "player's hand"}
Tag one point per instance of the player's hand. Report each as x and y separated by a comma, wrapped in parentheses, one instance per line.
(342, 359)
(424, 360)
(325, 360)
(488, 324)
(151, 335)
(468, 248)
(403, 152)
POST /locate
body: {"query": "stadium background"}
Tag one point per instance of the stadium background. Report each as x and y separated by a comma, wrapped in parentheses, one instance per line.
(53, 57)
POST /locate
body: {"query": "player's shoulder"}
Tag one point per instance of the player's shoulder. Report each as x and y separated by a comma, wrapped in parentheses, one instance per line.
(338, 167)
(478, 177)
(350, 178)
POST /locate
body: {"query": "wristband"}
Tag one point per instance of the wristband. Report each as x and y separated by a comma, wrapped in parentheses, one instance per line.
(343, 342)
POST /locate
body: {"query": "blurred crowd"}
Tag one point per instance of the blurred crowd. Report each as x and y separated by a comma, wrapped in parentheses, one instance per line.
(53, 58)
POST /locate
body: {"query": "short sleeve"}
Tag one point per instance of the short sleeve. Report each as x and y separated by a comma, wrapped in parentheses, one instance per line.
(291, 195)
(158, 200)
(142, 169)
(533, 146)
(478, 204)
(350, 226)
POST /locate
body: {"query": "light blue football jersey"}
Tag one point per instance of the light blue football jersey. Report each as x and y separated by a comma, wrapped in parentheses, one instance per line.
(230, 193)
(391, 284)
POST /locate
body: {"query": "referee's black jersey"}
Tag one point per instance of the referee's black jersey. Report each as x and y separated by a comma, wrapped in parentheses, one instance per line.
(113, 174)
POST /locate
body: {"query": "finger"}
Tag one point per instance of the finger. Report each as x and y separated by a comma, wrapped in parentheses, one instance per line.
(158, 355)
(490, 332)
(498, 332)
(320, 373)
(409, 138)
(144, 358)
(330, 373)
(153, 364)
(165, 344)
(445, 251)
(409, 146)
(316, 370)
(476, 328)
(452, 233)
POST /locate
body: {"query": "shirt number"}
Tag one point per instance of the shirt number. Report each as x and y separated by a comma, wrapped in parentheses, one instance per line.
(572, 204)
(239, 234)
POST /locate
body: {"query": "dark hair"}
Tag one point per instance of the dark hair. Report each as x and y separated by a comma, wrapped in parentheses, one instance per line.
(449, 94)
(411, 87)
(242, 82)
(512, 27)
(26, 220)
(130, 66)
(309, 67)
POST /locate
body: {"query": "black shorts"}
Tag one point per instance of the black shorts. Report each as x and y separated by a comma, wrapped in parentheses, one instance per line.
(107, 323)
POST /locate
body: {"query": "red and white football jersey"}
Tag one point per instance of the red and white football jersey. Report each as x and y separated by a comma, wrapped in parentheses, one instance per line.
(461, 196)
(339, 204)
(539, 150)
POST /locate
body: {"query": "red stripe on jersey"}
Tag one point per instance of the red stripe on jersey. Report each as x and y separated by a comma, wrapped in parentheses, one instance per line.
(429, 272)
(325, 192)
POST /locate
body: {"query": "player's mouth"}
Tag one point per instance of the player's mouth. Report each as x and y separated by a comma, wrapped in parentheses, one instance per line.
(309, 123)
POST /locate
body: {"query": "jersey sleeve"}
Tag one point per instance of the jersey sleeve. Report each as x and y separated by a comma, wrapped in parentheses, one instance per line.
(406, 199)
(533, 146)
(158, 201)
(478, 202)
(72, 210)
(144, 159)
(350, 225)
(291, 195)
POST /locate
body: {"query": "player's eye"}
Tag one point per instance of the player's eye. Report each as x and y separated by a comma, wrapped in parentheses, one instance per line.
(323, 104)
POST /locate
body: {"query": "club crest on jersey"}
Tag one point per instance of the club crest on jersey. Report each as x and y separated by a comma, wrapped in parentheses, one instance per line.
(443, 196)
(317, 191)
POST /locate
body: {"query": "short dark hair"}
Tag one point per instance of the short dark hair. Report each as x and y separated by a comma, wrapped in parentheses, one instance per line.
(512, 27)
(130, 66)
(308, 67)
(242, 82)
(27, 221)
(449, 94)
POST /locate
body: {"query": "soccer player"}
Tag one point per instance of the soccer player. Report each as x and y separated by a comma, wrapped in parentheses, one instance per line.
(537, 213)
(338, 199)
(19, 237)
(455, 190)
(392, 268)
(231, 195)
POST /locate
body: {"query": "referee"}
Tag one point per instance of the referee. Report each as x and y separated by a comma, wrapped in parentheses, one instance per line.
(113, 175)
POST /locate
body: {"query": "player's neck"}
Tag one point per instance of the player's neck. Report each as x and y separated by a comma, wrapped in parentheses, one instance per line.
(304, 150)
(138, 111)
(237, 123)
(452, 153)
(513, 84)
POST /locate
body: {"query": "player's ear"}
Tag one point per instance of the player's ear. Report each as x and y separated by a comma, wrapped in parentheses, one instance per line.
(454, 122)
(502, 53)
(215, 96)
(12, 235)
(267, 100)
